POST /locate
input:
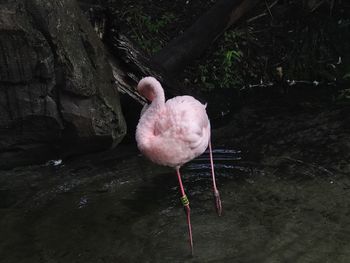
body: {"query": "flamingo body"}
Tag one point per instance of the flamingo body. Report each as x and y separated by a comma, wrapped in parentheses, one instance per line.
(174, 132)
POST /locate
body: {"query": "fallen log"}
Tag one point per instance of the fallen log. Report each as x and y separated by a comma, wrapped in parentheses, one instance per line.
(183, 50)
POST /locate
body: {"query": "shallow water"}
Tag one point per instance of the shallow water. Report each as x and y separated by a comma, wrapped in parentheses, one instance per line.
(106, 209)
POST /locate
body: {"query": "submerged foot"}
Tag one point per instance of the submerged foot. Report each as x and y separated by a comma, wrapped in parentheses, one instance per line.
(218, 202)
(188, 214)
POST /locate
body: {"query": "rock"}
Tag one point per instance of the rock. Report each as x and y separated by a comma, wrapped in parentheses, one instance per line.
(57, 95)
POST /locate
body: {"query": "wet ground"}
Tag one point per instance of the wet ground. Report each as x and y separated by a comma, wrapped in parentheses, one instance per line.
(107, 208)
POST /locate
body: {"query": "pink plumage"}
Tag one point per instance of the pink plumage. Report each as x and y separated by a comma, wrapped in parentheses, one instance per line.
(174, 132)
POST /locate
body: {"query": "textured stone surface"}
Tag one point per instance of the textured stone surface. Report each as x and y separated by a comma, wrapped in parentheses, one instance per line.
(56, 87)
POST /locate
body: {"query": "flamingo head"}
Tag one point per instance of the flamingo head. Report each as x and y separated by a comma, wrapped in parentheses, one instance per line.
(150, 88)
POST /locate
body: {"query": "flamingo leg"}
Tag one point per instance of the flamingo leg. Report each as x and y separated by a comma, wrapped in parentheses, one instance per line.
(186, 205)
(215, 190)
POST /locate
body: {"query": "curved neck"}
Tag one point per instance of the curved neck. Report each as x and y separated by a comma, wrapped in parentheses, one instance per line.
(145, 129)
(150, 88)
(152, 109)
(149, 112)
(159, 99)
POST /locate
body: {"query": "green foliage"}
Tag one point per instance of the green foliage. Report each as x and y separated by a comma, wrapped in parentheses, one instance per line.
(147, 31)
(307, 46)
(298, 47)
(292, 40)
(155, 26)
(221, 69)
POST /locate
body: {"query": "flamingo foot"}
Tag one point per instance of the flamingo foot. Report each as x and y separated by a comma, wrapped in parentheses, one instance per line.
(188, 214)
(218, 202)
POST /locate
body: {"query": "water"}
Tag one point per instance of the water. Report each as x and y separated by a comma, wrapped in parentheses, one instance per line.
(125, 209)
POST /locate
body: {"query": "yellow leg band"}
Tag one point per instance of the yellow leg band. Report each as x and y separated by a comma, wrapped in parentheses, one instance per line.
(184, 200)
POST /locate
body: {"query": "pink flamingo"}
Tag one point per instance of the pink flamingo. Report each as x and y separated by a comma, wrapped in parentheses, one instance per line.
(174, 132)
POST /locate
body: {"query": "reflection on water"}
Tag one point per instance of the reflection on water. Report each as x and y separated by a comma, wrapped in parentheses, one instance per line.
(128, 210)
(224, 159)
